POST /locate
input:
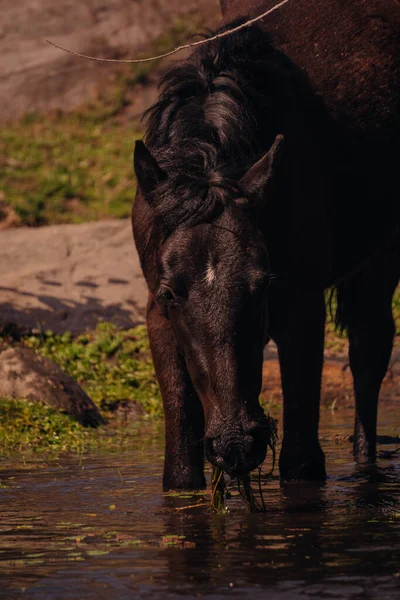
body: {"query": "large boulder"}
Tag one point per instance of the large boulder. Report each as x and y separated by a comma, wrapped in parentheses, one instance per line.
(25, 374)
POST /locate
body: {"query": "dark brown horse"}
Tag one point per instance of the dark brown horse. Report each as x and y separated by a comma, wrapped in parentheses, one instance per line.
(270, 176)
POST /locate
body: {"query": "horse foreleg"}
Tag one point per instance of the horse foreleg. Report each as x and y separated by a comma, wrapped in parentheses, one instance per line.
(297, 321)
(184, 418)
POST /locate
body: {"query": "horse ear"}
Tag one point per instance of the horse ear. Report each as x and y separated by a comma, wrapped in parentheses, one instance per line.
(258, 179)
(148, 172)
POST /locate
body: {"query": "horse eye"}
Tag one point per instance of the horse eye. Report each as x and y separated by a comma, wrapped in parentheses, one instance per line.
(166, 295)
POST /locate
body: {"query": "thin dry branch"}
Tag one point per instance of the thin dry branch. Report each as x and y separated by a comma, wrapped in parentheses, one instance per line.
(184, 47)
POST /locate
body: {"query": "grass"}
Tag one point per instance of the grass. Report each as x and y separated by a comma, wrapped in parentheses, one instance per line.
(66, 169)
(70, 168)
(28, 428)
(27, 425)
(109, 363)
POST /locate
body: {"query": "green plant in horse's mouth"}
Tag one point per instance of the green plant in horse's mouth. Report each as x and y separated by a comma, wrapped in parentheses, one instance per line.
(219, 489)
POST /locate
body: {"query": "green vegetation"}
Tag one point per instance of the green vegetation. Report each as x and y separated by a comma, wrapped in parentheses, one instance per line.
(27, 425)
(69, 168)
(66, 168)
(396, 310)
(110, 364)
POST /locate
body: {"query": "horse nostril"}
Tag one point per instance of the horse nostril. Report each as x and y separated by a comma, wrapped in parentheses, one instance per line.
(233, 458)
(213, 451)
(210, 447)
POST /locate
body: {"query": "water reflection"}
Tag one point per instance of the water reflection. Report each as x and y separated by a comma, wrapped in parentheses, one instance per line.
(311, 533)
(103, 529)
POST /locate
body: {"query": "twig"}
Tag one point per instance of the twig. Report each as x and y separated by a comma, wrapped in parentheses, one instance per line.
(184, 47)
(190, 506)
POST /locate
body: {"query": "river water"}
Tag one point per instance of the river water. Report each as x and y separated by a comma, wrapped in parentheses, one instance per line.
(100, 527)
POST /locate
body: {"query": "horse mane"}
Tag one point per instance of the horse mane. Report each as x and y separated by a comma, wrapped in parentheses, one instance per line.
(203, 129)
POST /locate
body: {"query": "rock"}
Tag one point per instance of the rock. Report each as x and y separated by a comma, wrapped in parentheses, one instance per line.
(126, 410)
(36, 77)
(25, 374)
(71, 277)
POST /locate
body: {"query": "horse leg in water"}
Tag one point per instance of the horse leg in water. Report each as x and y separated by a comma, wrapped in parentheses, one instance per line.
(365, 305)
(184, 417)
(297, 321)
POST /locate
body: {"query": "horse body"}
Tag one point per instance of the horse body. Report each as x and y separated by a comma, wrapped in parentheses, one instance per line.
(255, 195)
(350, 52)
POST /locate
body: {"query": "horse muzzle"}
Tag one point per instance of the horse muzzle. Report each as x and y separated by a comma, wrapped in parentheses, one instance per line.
(237, 452)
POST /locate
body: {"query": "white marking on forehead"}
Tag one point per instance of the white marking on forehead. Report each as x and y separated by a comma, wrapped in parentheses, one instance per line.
(210, 273)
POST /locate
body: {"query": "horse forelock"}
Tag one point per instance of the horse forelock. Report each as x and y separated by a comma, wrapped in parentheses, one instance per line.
(203, 129)
(196, 188)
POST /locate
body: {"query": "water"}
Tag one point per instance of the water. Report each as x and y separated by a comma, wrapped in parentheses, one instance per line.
(101, 528)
